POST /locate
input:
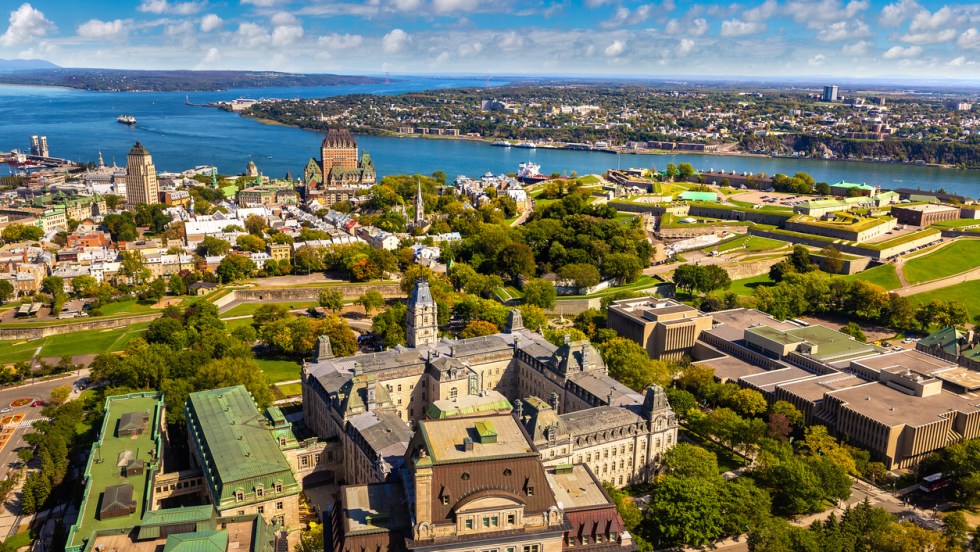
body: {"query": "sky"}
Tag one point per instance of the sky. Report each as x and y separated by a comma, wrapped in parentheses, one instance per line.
(771, 38)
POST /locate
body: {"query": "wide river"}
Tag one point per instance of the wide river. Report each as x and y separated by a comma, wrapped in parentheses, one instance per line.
(79, 124)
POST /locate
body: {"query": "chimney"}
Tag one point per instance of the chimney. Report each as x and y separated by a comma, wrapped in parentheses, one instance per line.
(519, 408)
(554, 401)
(467, 444)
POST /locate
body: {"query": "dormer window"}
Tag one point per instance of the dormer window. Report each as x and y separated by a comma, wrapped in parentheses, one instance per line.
(259, 492)
(530, 491)
(240, 495)
(278, 487)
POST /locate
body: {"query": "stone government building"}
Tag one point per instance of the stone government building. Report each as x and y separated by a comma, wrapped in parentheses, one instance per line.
(371, 402)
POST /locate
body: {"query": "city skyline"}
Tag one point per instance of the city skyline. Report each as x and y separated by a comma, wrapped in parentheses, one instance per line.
(784, 38)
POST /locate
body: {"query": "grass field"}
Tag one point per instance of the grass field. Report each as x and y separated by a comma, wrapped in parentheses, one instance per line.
(883, 275)
(291, 389)
(966, 294)
(126, 307)
(78, 343)
(746, 286)
(959, 256)
(279, 369)
(747, 243)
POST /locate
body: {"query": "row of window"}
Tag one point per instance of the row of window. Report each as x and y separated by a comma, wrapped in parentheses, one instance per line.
(177, 485)
(585, 540)
(489, 522)
(525, 548)
(259, 492)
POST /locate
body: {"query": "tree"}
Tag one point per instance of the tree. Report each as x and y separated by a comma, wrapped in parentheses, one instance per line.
(479, 328)
(784, 408)
(833, 260)
(390, 325)
(332, 299)
(311, 539)
(18, 232)
(308, 259)
(687, 460)
(267, 313)
(211, 246)
(177, 286)
(582, 275)
(749, 403)
(955, 529)
(684, 510)
(133, 267)
(60, 394)
(540, 293)
(6, 291)
(154, 291)
(234, 267)
(622, 267)
(822, 188)
(515, 259)
(250, 243)
(227, 372)
(672, 171)
(255, 224)
(681, 401)
(801, 259)
(630, 364)
(853, 329)
(371, 300)
(685, 170)
(84, 285)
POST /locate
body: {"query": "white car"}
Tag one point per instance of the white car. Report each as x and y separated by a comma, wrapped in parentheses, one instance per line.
(6, 410)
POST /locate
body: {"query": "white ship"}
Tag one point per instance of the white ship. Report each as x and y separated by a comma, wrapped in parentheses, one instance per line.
(529, 173)
(126, 120)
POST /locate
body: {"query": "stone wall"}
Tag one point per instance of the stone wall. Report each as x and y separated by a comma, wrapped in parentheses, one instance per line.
(692, 231)
(750, 215)
(738, 271)
(22, 333)
(283, 295)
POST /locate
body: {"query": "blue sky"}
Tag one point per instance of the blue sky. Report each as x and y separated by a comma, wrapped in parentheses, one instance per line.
(856, 38)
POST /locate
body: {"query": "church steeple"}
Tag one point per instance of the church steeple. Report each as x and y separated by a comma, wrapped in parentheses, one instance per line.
(423, 325)
(419, 207)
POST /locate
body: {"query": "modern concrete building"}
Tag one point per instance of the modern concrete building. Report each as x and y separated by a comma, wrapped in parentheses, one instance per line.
(830, 93)
(141, 177)
(666, 328)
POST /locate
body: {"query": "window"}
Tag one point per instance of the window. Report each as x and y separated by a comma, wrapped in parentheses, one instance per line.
(304, 461)
(486, 522)
(239, 495)
(493, 521)
(531, 548)
(465, 476)
(261, 509)
(508, 471)
(445, 500)
(259, 492)
(399, 387)
(530, 491)
(241, 512)
(279, 505)
(585, 540)
(278, 487)
(511, 518)
(453, 392)
(469, 524)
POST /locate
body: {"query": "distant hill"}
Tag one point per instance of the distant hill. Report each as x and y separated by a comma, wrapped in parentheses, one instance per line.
(25, 65)
(116, 80)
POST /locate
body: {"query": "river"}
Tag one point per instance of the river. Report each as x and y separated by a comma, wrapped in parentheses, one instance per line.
(79, 124)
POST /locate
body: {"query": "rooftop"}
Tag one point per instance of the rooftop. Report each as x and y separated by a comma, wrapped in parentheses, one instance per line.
(444, 439)
(769, 380)
(102, 471)
(375, 508)
(239, 442)
(927, 208)
(894, 408)
(813, 389)
(575, 487)
(913, 360)
(492, 402)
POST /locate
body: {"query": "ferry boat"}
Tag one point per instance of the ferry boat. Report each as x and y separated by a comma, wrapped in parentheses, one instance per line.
(530, 173)
(526, 145)
(126, 120)
(502, 144)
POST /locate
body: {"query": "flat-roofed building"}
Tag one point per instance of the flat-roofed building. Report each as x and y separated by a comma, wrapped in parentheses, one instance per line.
(924, 215)
(665, 328)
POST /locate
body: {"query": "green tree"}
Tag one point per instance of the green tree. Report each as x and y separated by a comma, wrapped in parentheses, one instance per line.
(853, 329)
(84, 285)
(684, 510)
(685, 170)
(955, 530)
(833, 260)
(371, 300)
(687, 460)
(681, 401)
(479, 328)
(270, 312)
(227, 372)
(332, 299)
(540, 293)
(255, 225)
(516, 259)
(177, 286)
(749, 403)
(631, 364)
(211, 246)
(250, 243)
(60, 394)
(6, 291)
(235, 267)
(308, 259)
(18, 232)
(622, 267)
(582, 275)
(311, 539)
(133, 267)
(390, 325)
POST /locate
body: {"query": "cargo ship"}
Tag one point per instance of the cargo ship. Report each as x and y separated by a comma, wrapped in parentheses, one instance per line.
(126, 120)
(530, 173)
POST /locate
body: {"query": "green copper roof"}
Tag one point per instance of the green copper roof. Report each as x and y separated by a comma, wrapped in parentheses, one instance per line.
(236, 444)
(699, 196)
(187, 514)
(203, 541)
(845, 185)
(946, 339)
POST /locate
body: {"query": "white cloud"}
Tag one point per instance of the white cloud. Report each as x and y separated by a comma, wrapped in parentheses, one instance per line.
(177, 8)
(762, 12)
(685, 47)
(930, 37)
(898, 52)
(284, 35)
(337, 41)
(960, 62)
(283, 18)
(615, 49)
(250, 35)
(970, 39)
(696, 27)
(407, 5)
(817, 60)
(859, 48)
(925, 21)
(106, 30)
(511, 41)
(844, 30)
(448, 6)
(261, 3)
(210, 22)
(597, 3)
(395, 41)
(736, 27)
(213, 56)
(815, 12)
(441, 58)
(26, 25)
(470, 49)
(894, 14)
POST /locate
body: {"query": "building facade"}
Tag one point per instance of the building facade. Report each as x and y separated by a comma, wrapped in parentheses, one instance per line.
(665, 328)
(339, 164)
(141, 177)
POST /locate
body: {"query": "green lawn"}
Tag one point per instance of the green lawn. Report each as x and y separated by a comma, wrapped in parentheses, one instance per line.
(748, 243)
(250, 308)
(291, 389)
(279, 369)
(641, 283)
(883, 275)
(959, 256)
(726, 460)
(589, 179)
(957, 223)
(746, 286)
(126, 307)
(78, 343)
(966, 294)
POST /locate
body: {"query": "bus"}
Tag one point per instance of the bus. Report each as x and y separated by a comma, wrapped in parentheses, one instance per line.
(934, 482)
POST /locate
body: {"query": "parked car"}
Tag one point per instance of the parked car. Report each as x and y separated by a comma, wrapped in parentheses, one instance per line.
(37, 403)
(6, 410)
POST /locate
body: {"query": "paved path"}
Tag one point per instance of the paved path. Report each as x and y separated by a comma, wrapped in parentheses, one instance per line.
(969, 275)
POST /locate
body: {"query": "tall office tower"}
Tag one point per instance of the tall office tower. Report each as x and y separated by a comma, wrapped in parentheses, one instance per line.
(141, 177)
(830, 93)
(39, 146)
